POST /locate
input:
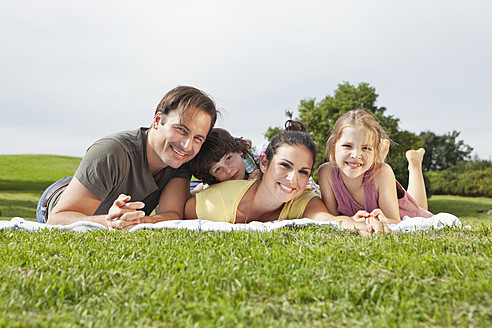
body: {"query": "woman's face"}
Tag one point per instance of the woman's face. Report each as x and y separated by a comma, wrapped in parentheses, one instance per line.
(230, 167)
(288, 172)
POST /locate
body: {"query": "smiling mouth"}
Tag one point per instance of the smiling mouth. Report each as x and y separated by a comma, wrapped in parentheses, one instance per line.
(285, 188)
(354, 165)
(181, 154)
(234, 176)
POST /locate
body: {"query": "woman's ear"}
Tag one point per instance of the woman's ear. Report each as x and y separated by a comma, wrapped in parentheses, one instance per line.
(263, 164)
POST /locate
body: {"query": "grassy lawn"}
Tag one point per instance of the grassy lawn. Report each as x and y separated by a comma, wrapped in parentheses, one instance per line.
(23, 179)
(302, 277)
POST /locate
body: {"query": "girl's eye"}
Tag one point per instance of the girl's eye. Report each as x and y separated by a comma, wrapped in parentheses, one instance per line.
(303, 172)
(228, 158)
(285, 165)
(367, 148)
(217, 170)
(346, 146)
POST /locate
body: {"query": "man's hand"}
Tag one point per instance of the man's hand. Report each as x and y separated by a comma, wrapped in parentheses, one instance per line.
(125, 214)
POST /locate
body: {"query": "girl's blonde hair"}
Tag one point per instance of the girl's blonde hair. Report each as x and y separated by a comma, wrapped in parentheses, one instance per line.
(365, 121)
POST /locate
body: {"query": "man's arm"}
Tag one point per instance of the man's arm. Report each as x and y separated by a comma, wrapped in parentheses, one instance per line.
(76, 203)
(190, 209)
(124, 214)
(172, 201)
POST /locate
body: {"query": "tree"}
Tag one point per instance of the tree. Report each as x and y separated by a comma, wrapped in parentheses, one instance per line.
(320, 118)
(271, 132)
(443, 151)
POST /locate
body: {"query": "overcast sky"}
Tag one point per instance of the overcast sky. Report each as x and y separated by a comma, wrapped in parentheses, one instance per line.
(74, 71)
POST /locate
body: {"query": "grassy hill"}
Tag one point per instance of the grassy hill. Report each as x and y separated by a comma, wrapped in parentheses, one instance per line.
(23, 178)
(34, 172)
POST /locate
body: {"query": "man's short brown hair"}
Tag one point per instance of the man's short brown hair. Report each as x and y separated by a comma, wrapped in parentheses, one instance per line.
(186, 98)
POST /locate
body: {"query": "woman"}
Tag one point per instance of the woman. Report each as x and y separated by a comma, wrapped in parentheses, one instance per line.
(279, 194)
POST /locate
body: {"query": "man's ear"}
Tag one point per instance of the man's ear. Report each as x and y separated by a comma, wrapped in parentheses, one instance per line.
(157, 120)
(263, 164)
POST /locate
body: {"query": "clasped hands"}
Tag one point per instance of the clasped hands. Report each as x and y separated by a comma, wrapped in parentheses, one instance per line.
(124, 214)
(375, 221)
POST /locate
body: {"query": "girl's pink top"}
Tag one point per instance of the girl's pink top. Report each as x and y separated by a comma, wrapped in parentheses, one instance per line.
(348, 206)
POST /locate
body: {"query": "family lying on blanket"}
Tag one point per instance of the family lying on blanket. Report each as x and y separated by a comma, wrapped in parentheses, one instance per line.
(124, 177)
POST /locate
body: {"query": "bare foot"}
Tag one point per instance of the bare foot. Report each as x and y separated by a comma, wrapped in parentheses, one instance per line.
(415, 157)
(385, 147)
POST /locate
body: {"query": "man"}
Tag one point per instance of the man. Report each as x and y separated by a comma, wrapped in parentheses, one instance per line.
(144, 165)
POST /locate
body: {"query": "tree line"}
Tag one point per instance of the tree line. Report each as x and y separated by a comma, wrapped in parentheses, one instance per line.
(448, 165)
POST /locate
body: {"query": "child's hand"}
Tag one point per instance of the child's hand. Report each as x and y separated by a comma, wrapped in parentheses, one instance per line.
(255, 174)
(379, 215)
(362, 216)
(367, 218)
(375, 227)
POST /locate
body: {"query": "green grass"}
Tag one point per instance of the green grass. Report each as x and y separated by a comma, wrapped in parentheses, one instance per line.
(23, 179)
(309, 277)
(469, 209)
(34, 172)
(303, 277)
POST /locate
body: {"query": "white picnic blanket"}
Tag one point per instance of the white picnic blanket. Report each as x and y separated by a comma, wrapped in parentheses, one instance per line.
(437, 221)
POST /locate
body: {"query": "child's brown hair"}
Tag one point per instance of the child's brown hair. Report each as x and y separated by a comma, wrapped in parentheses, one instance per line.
(219, 143)
(358, 118)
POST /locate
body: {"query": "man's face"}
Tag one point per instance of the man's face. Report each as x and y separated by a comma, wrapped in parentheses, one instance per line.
(179, 139)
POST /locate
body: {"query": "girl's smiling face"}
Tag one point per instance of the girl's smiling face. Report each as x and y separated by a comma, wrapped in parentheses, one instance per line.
(354, 152)
(230, 167)
(288, 172)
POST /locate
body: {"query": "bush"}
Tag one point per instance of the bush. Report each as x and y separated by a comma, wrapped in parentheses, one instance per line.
(464, 179)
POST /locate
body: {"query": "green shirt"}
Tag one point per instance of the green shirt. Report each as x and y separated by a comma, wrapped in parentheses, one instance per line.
(117, 164)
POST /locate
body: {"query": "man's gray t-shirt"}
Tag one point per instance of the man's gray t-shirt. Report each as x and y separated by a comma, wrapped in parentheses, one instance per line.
(117, 164)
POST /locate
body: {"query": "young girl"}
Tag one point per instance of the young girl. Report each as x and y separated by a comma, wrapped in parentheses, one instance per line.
(357, 182)
(224, 157)
(278, 194)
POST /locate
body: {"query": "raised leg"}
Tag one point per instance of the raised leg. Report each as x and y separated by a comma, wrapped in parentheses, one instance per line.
(416, 184)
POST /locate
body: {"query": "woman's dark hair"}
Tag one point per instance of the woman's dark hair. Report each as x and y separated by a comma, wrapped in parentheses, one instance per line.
(295, 134)
(219, 142)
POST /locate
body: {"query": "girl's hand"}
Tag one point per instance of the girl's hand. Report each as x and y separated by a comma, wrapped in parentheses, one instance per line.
(362, 216)
(375, 227)
(373, 222)
(379, 215)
